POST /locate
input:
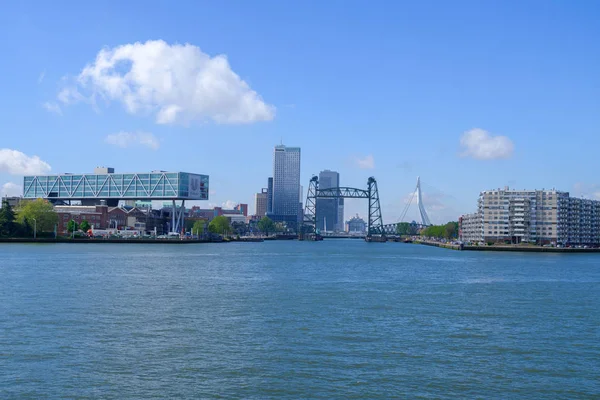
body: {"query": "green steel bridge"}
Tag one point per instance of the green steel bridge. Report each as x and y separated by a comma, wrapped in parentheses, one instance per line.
(376, 229)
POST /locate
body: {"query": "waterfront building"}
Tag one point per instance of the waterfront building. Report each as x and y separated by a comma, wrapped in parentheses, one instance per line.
(469, 228)
(532, 216)
(235, 217)
(13, 201)
(96, 216)
(105, 185)
(330, 212)
(241, 209)
(286, 185)
(356, 225)
(104, 217)
(101, 185)
(260, 203)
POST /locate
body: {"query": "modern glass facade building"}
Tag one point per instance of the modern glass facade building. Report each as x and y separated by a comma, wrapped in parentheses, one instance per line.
(330, 212)
(286, 185)
(110, 186)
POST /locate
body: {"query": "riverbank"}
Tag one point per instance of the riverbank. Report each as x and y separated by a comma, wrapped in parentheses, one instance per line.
(513, 248)
(137, 241)
(437, 244)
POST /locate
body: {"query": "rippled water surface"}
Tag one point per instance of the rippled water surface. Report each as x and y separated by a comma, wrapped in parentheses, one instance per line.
(332, 319)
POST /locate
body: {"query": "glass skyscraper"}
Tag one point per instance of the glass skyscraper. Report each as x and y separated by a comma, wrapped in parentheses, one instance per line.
(330, 212)
(286, 185)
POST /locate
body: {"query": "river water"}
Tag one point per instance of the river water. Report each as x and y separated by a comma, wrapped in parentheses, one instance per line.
(287, 319)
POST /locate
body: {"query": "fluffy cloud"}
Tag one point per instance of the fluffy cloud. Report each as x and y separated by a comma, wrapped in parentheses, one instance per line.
(587, 191)
(11, 189)
(229, 204)
(52, 107)
(16, 163)
(481, 145)
(175, 83)
(367, 162)
(130, 139)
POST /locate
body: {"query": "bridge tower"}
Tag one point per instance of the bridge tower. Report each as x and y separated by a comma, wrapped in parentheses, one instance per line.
(375, 224)
(424, 217)
(309, 229)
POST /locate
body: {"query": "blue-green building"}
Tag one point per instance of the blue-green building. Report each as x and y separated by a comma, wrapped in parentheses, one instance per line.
(110, 186)
(105, 185)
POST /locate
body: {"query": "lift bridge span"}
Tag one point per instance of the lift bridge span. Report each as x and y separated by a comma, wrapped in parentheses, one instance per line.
(376, 229)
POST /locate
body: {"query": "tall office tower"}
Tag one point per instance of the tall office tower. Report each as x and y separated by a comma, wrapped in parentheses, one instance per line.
(260, 203)
(330, 212)
(270, 196)
(286, 184)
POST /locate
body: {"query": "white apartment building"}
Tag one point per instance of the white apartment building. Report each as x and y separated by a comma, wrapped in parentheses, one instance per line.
(532, 216)
(470, 228)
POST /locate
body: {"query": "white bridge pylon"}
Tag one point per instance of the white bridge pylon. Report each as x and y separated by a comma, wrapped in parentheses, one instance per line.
(424, 217)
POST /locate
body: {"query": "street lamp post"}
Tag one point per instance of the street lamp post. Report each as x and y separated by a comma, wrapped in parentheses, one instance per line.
(34, 227)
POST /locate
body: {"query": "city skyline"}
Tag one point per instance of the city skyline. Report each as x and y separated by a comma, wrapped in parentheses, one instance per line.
(468, 96)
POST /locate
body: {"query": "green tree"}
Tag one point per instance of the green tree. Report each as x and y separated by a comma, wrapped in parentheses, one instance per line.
(84, 226)
(72, 226)
(403, 228)
(7, 219)
(266, 225)
(39, 213)
(447, 231)
(240, 228)
(451, 230)
(219, 225)
(198, 227)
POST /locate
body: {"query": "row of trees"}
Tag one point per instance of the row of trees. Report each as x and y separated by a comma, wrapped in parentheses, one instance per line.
(220, 225)
(405, 228)
(37, 214)
(40, 215)
(447, 231)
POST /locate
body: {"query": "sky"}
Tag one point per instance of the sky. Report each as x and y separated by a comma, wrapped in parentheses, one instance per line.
(468, 95)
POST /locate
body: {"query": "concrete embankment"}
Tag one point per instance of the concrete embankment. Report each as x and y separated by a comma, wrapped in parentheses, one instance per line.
(128, 241)
(438, 244)
(530, 249)
(514, 248)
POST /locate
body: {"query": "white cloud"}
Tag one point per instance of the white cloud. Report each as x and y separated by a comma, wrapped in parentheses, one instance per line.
(481, 145)
(16, 163)
(176, 83)
(587, 191)
(70, 95)
(11, 189)
(130, 139)
(52, 107)
(41, 77)
(229, 204)
(367, 162)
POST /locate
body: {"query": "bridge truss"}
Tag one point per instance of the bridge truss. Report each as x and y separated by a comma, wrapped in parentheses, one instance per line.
(375, 225)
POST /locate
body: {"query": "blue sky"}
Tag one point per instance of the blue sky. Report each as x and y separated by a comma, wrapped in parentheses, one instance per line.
(469, 95)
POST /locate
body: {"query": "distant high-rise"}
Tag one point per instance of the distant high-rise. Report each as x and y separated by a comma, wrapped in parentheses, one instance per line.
(286, 184)
(270, 196)
(260, 203)
(330, 212)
